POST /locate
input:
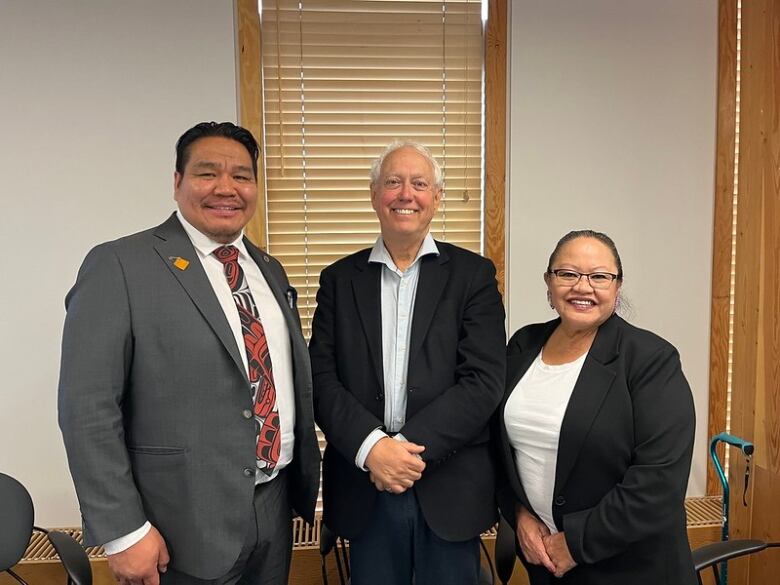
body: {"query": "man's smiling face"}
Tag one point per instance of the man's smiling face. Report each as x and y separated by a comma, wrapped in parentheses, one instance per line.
(217, 192)
(404, 196)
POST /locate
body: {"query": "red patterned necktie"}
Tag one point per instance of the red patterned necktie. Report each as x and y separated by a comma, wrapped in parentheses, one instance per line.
(261, 375)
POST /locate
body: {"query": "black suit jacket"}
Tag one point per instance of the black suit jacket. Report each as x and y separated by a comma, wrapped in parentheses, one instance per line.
(454, 383)
(152, 397)
(624, 456)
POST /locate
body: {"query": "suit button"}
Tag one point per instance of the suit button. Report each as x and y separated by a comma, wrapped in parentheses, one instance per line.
(249, 472)
(247, 413)
(560, 501)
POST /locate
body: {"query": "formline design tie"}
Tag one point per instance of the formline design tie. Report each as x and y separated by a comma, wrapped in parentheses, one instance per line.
(261, 377)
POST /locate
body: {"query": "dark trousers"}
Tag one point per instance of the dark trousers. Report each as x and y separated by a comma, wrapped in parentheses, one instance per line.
(265, 556)
(398, 548)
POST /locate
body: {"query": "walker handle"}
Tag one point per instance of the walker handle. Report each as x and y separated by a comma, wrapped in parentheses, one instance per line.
(745, 446)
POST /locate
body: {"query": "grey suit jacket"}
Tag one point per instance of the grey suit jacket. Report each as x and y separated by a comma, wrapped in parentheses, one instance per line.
(152, 397)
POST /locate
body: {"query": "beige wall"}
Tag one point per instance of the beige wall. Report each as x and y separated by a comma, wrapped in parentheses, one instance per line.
(95, 92)
(93, 95)
(613, 109)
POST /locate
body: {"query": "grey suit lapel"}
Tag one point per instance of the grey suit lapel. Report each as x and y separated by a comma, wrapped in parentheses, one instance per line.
(592, 387)
(173, 243)
(434, 274)
(280, 290)
(366, 286)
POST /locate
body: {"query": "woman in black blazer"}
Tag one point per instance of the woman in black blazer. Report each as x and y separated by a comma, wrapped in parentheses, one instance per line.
(596, 434)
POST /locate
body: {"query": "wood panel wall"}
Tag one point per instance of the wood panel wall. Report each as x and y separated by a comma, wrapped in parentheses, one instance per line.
(756, 360)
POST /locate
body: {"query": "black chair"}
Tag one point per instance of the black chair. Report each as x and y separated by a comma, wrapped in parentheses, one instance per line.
(708, 556)
(505, 551)
(487, 575)
(711, 555)
(16, 527)
(73, 558)
(16, 523)
(330, 542)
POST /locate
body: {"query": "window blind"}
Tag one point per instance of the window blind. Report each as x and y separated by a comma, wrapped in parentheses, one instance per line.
(342, 79)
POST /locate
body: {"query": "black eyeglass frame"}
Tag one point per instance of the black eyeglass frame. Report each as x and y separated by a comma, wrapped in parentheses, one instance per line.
(587, 275)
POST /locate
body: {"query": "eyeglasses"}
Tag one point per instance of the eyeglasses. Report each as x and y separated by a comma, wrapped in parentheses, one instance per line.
(566, 277)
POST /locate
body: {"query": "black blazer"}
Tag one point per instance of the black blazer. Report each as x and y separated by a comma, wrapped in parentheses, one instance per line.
(624, 456)
(454, 383)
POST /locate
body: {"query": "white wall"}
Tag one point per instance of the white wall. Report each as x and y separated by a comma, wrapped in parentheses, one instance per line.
(613, 113)
(93, 95)
(612, 127)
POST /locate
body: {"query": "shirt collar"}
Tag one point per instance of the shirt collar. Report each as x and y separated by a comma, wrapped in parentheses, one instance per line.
(205, 245)
(380, 254)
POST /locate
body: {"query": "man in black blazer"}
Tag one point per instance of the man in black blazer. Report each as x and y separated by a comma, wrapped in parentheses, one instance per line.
(408, 360)
(185, 395)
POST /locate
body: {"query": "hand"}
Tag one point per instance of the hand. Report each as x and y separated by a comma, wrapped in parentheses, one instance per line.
(142, 563)
(558, 550)
(530, 534)
(394, 466)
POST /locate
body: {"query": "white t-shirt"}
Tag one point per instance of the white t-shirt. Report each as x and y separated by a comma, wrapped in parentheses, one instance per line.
(533, 416)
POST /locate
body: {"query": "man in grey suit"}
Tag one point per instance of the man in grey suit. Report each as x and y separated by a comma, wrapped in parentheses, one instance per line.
(185, 386)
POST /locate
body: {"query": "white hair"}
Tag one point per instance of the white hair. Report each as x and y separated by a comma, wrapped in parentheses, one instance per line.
(376, 167)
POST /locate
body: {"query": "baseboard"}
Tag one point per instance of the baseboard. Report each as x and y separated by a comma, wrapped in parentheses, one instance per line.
(41, 566)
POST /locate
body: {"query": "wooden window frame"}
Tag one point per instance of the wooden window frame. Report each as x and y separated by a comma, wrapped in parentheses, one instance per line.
(250, 106)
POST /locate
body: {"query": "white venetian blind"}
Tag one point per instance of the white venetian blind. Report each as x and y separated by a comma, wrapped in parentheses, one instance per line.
(341, 79)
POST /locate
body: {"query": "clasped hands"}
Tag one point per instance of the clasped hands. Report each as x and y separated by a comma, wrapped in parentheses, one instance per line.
(539, 547)
(394, 465)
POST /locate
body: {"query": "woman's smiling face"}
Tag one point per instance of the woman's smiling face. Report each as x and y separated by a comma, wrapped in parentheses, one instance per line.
(581, 306)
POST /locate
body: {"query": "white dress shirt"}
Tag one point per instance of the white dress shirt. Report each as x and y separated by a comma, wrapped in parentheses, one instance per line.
(398, 293)
(533, 416)
(277, 335)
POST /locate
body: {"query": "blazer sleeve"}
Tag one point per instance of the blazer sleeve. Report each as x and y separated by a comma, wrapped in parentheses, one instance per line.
(334, 405)
(97, 350)
(648, 499)
(507, 496)
(461, 412)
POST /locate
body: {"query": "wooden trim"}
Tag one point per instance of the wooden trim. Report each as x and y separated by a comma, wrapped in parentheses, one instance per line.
(722, 226)
(756, 347)
(250, 102)
(495, 137)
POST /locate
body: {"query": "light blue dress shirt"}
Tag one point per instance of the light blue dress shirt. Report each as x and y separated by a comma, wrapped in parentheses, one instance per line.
(398, 292)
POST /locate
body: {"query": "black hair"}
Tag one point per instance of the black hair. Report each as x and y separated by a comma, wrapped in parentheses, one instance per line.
(601, 237)
(222, 129)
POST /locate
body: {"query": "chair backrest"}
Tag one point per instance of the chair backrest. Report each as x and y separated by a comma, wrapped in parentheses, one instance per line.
(327, 540)
(330, 542)
(505, 552)
(73, 558)
(16, 521)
